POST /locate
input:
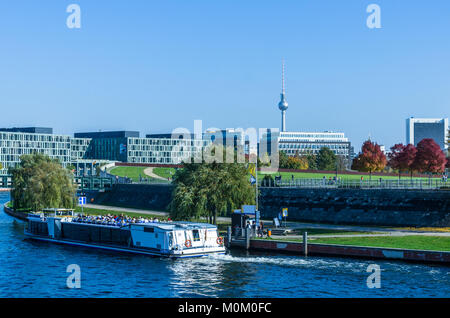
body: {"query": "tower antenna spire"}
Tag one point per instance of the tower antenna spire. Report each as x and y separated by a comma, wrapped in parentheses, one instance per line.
(282, 77)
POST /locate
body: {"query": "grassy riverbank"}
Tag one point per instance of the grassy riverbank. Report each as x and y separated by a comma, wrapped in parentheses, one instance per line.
(413, 242)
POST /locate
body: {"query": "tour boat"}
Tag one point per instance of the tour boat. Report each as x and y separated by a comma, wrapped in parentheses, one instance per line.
(169, 239)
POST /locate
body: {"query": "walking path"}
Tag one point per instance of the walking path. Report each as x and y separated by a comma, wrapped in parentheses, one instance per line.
(131, 210)
(149, 172)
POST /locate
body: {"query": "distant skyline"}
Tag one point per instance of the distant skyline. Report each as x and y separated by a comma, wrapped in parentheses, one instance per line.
(152, 66)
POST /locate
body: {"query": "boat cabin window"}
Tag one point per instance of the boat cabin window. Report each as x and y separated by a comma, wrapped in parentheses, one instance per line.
(149, 229)
(196, 235)
(170, 239)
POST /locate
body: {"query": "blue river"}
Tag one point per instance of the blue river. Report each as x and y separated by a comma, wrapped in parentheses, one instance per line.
(39, 269)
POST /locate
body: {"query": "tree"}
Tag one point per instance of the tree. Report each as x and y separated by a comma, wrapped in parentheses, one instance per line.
(209, 189)
(370, 159)
(402, 158)
(283, 160)
(341, 163)
(312, 161)
(326, 159)
(429, 158)
(264, 160)
(1, 166)
(296, 162)
(41, 182)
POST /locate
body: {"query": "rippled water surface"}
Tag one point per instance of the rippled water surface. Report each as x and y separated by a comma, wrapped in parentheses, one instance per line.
(37, 269)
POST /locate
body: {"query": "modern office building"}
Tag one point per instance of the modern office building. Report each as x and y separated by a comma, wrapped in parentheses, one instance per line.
(421, 128)
(15, 142)
(127, 146)
(301, 143)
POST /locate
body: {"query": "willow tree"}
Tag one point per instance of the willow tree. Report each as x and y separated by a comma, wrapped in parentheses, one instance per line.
(210, 189)
(41, 182)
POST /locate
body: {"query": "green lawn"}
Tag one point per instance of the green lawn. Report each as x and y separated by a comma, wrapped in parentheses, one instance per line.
(130, 172)
(416, 242)
(164, 172)
(133, 173)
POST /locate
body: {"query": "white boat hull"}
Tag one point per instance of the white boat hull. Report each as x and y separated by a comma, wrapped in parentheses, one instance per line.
(194, 252)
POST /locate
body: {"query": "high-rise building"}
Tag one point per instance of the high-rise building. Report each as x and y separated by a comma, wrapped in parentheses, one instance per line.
(421, 128)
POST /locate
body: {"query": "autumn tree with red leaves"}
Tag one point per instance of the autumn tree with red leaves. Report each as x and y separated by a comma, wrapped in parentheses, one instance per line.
(429, 158)
(402, 158)
(370, 159)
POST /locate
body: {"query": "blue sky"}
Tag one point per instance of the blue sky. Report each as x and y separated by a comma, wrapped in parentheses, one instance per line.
(156, 65)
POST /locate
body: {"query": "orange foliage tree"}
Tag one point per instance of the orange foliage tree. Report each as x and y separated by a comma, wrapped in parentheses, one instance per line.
(370, 159)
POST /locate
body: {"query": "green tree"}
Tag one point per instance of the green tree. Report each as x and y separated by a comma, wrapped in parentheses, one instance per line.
(1, 166)
(312, 161)
(210, 189)
(326, 159)
(41, 182)
(283, 160)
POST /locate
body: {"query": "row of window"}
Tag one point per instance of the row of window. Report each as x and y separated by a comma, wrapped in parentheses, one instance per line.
(33, 137)
(313, 146)
(312, 135)
(167, 142)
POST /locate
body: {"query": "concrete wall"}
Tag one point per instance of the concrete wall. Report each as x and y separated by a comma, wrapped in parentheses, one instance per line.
(368, 207)
(139, 196)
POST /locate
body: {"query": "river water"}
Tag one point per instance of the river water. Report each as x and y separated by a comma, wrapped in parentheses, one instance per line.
(38, 269)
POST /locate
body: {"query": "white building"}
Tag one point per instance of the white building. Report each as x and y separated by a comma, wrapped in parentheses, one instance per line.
(421, 128)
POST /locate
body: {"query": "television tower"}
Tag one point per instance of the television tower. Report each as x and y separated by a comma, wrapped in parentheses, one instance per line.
(283, 104)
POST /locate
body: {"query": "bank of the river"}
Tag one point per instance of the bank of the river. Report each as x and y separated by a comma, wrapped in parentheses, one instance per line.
(323, 249)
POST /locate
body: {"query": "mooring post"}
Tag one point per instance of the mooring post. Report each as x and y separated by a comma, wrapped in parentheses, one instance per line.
(247, 238)
(228, 236)
(305, 243)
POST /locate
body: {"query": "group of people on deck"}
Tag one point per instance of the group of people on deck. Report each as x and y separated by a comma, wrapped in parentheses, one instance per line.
(114, 220)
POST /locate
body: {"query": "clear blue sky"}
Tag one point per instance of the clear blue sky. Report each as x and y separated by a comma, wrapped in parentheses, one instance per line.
(156, 65)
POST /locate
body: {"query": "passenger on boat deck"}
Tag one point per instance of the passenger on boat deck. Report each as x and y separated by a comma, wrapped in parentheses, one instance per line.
(114, 220)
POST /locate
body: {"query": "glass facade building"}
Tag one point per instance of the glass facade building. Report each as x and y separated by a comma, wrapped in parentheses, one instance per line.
(421, 128)
(14, 144)
(127, 146)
